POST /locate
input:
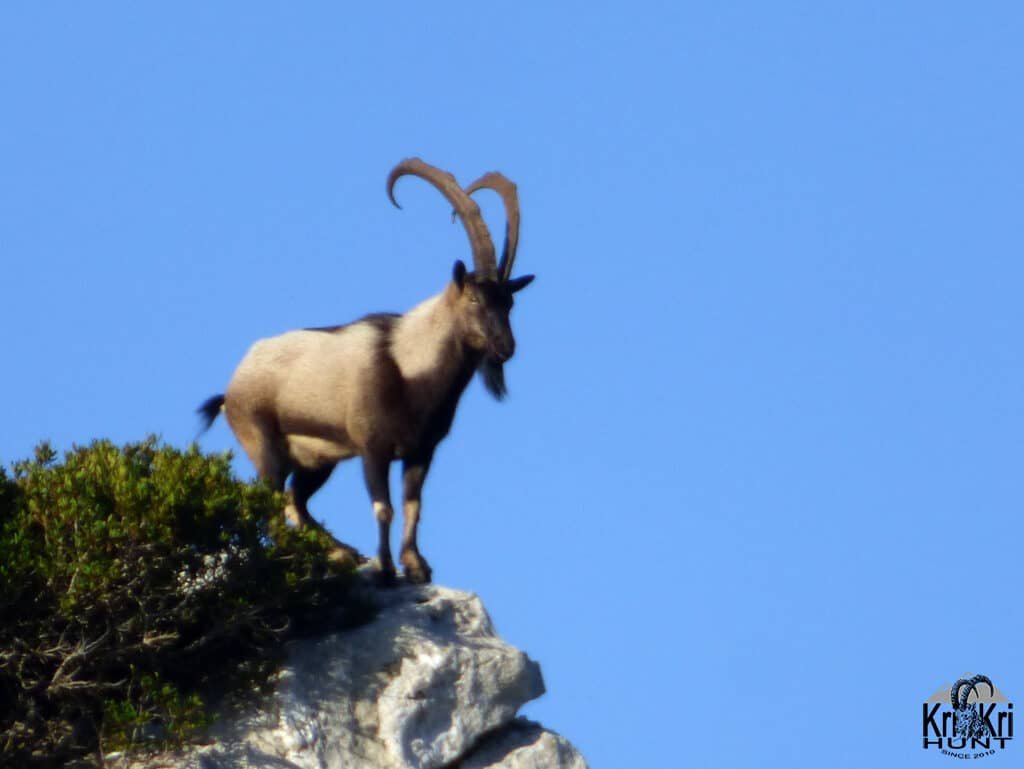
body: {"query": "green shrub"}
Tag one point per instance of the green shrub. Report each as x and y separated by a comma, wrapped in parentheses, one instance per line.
(136, 585)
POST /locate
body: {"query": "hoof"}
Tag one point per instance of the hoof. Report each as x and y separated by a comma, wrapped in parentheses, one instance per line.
(353, 553)
(417, 571)
(386, 577)
(342, 552)
(345, 558)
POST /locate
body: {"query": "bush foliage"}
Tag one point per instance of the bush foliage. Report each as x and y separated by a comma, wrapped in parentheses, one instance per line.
(136, 584)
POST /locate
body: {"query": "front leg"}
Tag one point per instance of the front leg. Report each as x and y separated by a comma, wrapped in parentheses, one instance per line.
(375, 470)
(414, 473)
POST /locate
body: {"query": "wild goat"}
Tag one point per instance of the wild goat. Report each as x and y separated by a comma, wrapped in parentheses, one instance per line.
(384, 387)
(968, 722)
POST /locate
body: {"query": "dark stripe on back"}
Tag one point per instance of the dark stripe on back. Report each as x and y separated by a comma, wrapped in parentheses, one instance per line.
(382, 321)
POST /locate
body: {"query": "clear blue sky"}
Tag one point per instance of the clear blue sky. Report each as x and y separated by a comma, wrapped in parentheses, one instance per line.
(757, 491)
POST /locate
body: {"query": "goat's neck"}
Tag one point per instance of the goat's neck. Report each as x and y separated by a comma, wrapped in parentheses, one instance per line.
(432, 359)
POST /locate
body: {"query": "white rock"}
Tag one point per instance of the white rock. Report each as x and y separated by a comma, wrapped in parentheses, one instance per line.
(525, 745)
(427, 684)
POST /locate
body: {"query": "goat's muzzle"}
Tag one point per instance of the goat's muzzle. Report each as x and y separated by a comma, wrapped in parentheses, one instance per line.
(503, 349)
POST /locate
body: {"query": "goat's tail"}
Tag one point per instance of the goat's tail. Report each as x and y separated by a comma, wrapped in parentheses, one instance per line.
(209, 410)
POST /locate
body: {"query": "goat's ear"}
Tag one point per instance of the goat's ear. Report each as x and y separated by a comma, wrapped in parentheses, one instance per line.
(518, 284)
(459, 273)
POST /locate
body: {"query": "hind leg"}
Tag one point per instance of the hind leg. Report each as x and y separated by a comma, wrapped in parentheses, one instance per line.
(305, 483)
(264, 446)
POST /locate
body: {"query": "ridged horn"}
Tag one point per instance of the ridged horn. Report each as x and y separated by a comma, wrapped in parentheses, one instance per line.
(510, 197)
(958, 694)
(983, 680)
(479, 237)
(954, 691)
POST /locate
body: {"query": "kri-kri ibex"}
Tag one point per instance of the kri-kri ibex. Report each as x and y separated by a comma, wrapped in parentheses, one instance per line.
(384, 387)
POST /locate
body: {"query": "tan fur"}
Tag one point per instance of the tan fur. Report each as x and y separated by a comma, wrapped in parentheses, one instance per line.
(313, 383)
(383, 512)
(413, 342)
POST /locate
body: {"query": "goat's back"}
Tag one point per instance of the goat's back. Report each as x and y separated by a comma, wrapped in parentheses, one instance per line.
(314, 378)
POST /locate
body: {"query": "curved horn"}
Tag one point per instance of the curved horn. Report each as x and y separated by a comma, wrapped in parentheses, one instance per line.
(954, 692)
(965, 693)
(984, 680)
(479, 237)
(510, 197)
(964, 688)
